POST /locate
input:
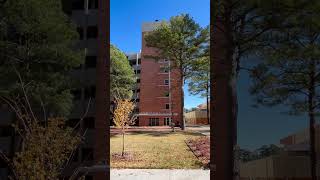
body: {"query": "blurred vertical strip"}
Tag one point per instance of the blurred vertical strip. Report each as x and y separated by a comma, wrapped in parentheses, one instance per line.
(221, 96)
(102, 140)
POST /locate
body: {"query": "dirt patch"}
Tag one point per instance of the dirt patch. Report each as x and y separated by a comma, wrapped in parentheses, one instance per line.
(127, 156)
(201, 149)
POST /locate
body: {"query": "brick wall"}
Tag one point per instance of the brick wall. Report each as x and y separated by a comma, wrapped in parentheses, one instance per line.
(153, 88)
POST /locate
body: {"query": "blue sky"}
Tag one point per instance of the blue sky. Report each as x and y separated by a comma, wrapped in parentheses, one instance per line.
(256, 126)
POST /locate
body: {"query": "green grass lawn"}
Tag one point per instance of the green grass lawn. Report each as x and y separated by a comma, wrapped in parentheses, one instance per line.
(156, 150)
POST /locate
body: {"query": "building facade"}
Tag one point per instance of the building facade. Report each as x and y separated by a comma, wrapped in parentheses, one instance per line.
(92, 27)
(91, 98)
(158, 87)
(135, 62)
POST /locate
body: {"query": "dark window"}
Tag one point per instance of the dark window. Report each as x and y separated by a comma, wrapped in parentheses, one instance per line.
(167, 121)
(80, 32)
(91, 61)
(137, 100)
(88, 178)
(93, 4)
(73, 123)
(64, 177)
(75, 157)
(138, 90)
(166, 81)
(87, 154)
(76, 94)
(3, 164)
(78, 4)
(138, 71)
(139, 61)
(167, 106)
(6, 131)
(92, 32)
(166, 94)
(153, 121)
(78, 67)
(88, 122)
(132, 63)
(90, 92)
(164, 69)
(138, 80)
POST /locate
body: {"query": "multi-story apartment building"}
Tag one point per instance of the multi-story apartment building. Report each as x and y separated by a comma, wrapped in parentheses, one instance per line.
(158, 86)
(135, 63)
(88, 16)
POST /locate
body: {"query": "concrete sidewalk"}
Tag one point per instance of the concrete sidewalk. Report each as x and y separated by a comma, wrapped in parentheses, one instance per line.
(159, 174)
(203, 129)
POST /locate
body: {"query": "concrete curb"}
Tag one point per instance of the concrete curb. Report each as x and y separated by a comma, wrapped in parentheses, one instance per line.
(160, 174)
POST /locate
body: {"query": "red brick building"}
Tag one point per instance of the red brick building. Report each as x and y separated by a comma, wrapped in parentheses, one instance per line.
(159, 101)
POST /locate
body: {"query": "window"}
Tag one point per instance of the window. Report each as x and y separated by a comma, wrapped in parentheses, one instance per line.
(91, 61)
(153, 121)
(78, 4)
(138, 90)
(167, 121)
(167, 94)
(88, 178)
(166, 81)
(78, 67)
(166, 60)
(138, 71)
(76, 94)
(80, 32)
(92, 32)
(90, 92)
(93, 4)
(139, 61)
(137, 100)
(167, 106)
(138, 80)
(73, 123)
(6, 131)
(75, 156)
(132, 63)
(87, 154)
(164, 69)
(3, 163)
(88, 122)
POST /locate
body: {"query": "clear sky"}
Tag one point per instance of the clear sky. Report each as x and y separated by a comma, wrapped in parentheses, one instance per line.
(255, 126)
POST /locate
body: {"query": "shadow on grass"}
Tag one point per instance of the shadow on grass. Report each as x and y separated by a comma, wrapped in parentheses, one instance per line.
(161, 134)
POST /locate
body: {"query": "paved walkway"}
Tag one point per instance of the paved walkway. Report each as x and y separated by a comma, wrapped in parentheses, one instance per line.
(159, 174)
(114, 130)
(203, 129)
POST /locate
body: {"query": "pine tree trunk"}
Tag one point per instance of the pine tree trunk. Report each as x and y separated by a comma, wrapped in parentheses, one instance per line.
(208, 113)
(236, 169)
(122, 144)
(224, 93)
(311, 109)
(182, 99)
